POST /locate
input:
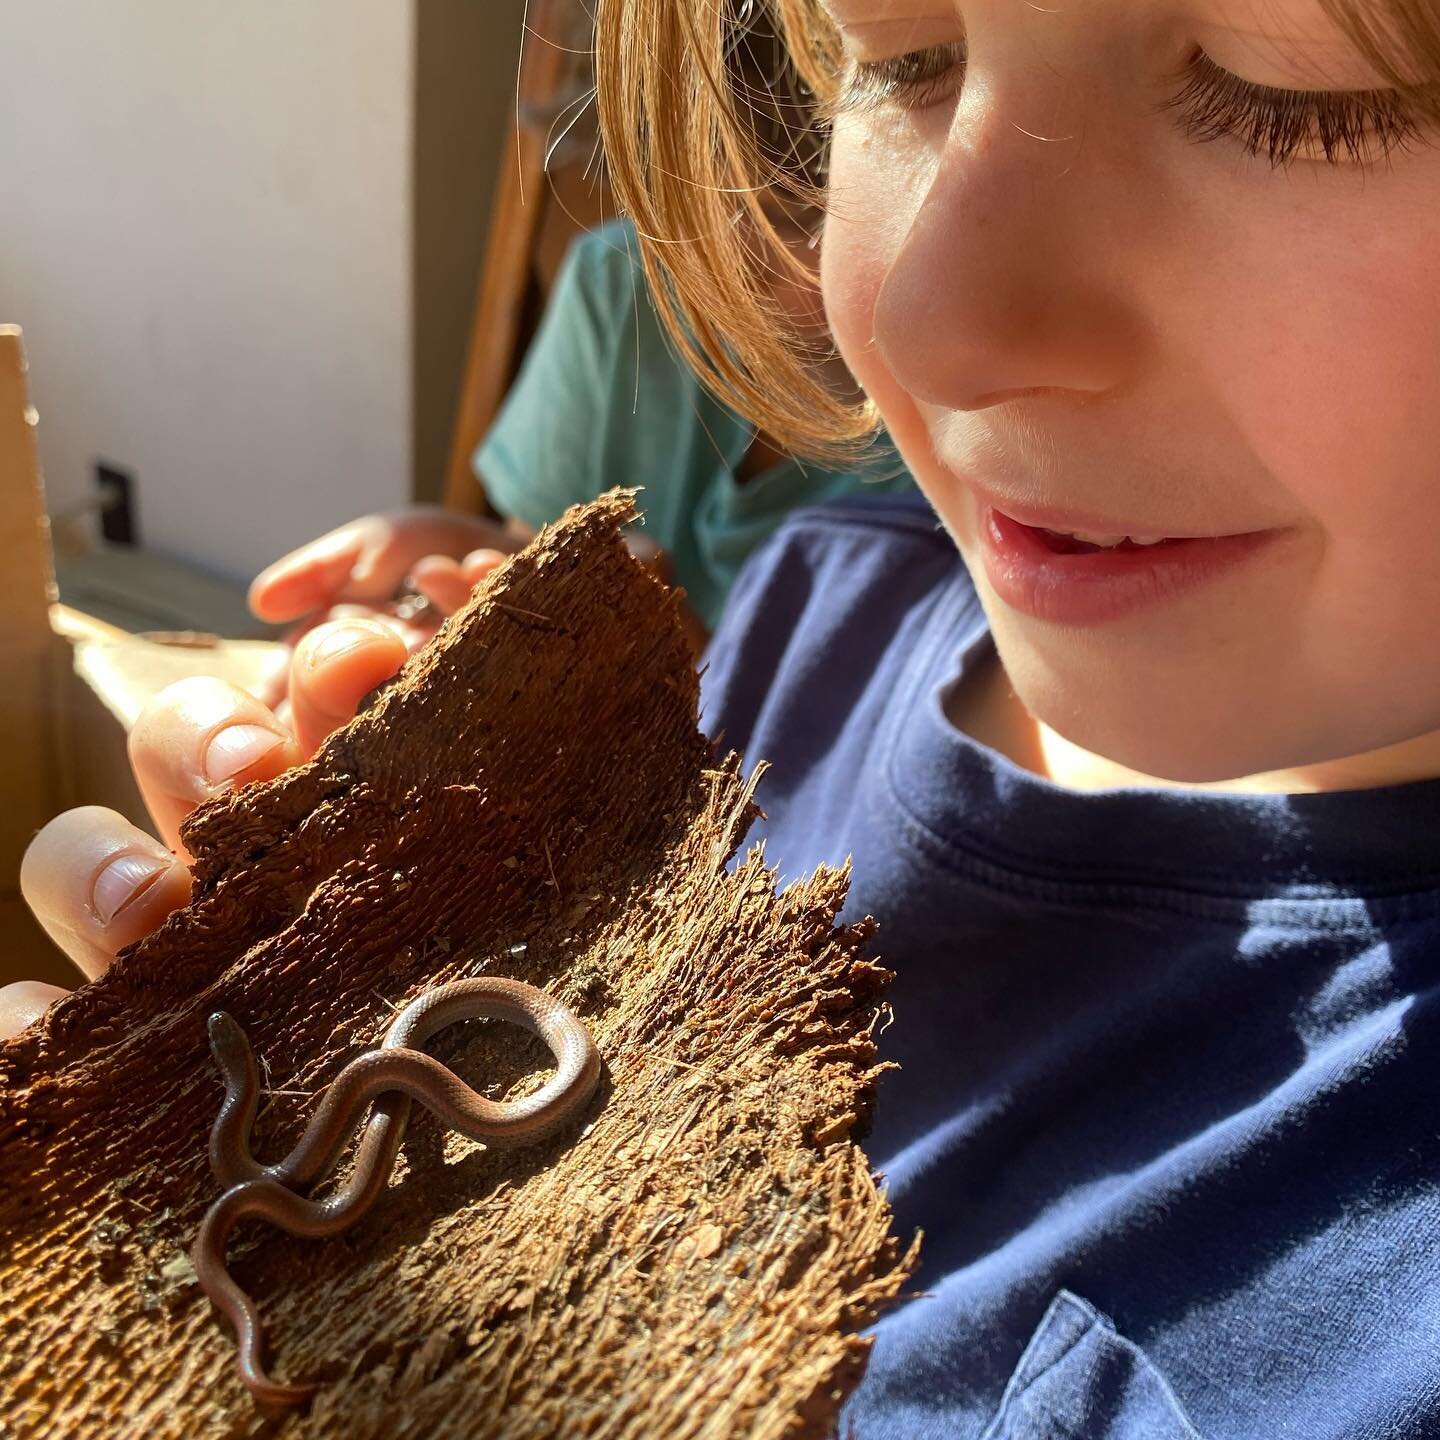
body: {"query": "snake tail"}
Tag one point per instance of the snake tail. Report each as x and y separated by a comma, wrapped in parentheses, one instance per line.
(237, 1307)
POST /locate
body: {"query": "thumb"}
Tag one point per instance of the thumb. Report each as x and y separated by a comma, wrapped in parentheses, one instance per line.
(480, 563)
(309, 578)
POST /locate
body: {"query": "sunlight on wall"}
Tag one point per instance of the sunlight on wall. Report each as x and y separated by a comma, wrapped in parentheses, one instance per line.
(204, 229)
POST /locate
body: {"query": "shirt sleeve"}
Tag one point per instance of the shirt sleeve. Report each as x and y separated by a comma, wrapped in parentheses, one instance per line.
(540, 456)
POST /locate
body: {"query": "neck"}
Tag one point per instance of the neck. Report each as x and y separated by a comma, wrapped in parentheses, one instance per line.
(990, 712)
(1418, 759)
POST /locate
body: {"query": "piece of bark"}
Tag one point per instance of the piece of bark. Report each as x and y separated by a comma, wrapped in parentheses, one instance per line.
(531, 798)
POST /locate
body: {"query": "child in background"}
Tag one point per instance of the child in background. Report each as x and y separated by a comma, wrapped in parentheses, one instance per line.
(604, 399)
(601, 400)
(1136, 749)
(633, 412)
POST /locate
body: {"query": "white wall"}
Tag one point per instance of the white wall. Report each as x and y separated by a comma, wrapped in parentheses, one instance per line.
(205, 232)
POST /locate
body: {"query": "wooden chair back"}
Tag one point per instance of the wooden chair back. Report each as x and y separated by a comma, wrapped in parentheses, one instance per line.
(551, 186)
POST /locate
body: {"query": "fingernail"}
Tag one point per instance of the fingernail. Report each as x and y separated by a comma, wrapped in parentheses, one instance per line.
(341, 642)
(237, 748)
(124, 879)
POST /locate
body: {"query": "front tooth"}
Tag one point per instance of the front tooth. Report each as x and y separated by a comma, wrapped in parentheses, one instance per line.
(1108, 541)
(1146, 539)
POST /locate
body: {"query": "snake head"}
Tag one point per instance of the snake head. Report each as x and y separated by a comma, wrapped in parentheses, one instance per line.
(227, 1041)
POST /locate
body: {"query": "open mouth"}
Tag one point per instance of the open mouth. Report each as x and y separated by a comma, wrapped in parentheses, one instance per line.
(1083, 544)
(1086, 577)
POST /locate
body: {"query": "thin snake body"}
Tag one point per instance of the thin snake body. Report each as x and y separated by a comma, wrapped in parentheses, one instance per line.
(390, 1078)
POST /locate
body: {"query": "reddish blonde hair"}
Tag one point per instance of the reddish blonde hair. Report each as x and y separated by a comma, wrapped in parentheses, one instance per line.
(690, 149)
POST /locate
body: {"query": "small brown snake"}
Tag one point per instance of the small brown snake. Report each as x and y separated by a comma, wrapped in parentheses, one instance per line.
(390, 1077)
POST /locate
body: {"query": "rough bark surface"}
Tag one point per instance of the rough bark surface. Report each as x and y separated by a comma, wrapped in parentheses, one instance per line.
(531, 798)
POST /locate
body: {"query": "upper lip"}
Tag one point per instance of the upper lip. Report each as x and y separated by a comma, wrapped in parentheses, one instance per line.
(1070, 522)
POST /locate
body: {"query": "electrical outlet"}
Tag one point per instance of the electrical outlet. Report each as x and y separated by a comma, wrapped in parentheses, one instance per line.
(118, 523)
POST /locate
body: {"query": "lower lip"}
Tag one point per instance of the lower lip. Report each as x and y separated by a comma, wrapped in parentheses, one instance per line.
(1031, 576)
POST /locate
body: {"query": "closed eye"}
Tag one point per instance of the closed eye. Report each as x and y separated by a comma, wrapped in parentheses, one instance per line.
(1340, 126)
(1356, 127)
(917, 79)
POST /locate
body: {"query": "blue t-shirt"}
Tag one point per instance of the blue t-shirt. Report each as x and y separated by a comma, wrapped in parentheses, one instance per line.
(1168, 1110)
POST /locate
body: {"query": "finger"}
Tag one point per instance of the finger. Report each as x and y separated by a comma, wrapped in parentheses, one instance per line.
(273, 686)
(335, 667)
(200, 738)
(96, 883)
(440, 580)
(414, 632)
(386, 562)
(480, 563)
(393, 543)
(308, 578)
(419, 632)
(23, 1003)
(273, 689)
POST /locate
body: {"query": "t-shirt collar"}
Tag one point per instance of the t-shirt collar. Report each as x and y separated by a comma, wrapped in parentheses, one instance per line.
(1373, 842)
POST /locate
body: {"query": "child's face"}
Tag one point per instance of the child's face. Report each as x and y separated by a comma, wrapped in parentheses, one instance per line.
(1068, 309)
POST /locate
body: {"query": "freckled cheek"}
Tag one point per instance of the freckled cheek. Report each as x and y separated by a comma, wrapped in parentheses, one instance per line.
(1336, 400)
(865, 229)
(872, 207)
(850, 279)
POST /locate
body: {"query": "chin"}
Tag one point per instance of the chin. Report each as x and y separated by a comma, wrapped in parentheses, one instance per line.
(1178, 758)
(1199, 727)
(1187, 727)
(1184, 760)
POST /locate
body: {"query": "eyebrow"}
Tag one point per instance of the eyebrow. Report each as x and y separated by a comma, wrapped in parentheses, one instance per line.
(880, 10)
(1286, 27)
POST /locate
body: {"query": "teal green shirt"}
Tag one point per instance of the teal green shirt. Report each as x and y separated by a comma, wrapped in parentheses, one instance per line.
(603, 400)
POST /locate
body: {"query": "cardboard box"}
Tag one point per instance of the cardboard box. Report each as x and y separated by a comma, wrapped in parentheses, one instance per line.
(71, 686)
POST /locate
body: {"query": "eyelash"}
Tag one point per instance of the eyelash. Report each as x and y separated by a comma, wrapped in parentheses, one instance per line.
(1359, 126)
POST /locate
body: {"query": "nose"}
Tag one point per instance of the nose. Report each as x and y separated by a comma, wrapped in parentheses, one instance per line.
(1009, 282)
